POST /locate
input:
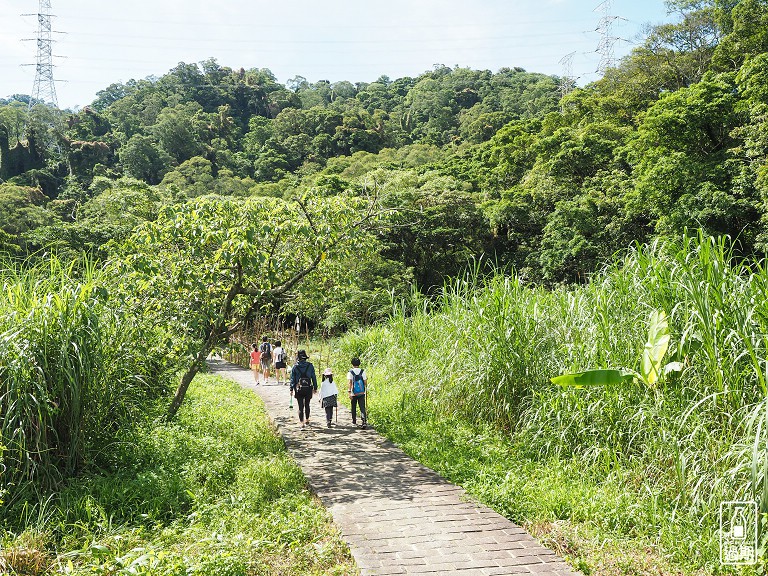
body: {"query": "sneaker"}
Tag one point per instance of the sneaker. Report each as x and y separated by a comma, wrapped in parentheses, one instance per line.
(329, 423)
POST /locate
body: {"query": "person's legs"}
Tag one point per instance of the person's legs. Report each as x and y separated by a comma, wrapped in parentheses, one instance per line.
(363, 413)
(303, 402)
(306, 411)
(329, 414)
(353, 401)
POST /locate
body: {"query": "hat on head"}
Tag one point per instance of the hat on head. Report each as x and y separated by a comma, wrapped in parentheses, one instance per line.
(327, 372)
(302, 355)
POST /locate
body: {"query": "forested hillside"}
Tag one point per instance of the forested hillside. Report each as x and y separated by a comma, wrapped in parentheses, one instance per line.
(471, 162)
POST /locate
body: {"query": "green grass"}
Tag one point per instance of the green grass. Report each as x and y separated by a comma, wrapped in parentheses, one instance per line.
(213, 493)
(624, 479)
(75, 366)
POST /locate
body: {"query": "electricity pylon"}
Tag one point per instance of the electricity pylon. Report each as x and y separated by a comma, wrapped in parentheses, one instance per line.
(44, 88)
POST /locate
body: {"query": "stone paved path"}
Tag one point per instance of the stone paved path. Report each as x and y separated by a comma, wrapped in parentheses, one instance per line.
(398, 516)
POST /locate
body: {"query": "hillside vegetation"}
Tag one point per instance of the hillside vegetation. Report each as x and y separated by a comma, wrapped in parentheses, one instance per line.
(474, 162)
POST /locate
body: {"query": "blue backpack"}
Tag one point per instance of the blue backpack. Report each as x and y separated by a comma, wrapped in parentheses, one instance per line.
(358, 384)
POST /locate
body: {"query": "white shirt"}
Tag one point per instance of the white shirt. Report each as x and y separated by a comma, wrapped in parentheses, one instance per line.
(357, 371)
(328, 388)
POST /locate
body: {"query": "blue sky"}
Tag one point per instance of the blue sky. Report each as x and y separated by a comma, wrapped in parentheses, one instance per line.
(114, 41)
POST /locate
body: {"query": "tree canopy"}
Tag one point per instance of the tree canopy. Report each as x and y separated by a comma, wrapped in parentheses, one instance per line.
(474, 163)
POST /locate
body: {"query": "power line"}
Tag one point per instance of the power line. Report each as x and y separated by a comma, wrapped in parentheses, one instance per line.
(293, 26)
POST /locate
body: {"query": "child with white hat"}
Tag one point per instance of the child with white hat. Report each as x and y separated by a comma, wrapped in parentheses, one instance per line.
(328, 395)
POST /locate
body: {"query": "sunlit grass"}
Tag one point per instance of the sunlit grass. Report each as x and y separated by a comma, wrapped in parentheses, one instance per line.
(465, 387)
(75, 367)
(213, 493)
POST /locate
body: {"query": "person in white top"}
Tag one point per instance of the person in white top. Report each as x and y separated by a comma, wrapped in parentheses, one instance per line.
(280, 356)
(328, 395)
(358, 386)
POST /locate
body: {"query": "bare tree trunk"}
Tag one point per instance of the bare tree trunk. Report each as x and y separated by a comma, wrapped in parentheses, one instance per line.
(189, 375)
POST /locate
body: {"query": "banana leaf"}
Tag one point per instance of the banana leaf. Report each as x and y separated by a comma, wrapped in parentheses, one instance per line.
(655, 348)
(594, 378)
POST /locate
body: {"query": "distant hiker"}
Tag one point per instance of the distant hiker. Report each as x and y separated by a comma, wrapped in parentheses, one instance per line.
(328, 395)
(266, 357)
(255, 361)
(303, 383)
(280, 356)
(358, 385)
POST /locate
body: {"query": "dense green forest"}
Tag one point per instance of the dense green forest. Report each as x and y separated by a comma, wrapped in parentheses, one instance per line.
(474, 162)
(140, 233)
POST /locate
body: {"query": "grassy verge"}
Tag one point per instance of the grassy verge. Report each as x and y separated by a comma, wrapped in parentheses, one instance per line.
(624, 479)
(599, 524)
(214, 493)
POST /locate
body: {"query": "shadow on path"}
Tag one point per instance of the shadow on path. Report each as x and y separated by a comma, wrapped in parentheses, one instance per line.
(398, 516)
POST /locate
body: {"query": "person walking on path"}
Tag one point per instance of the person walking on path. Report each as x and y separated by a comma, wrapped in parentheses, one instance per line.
(303, 383)
(266, 357)
(255, 361)
(280, 355)
(357, 382)
(328, 395)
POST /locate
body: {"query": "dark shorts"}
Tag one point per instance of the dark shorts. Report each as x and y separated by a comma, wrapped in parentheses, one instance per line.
(266, 363)
(279, 365)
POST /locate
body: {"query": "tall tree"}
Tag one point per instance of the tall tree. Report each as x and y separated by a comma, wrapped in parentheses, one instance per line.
(206, 266)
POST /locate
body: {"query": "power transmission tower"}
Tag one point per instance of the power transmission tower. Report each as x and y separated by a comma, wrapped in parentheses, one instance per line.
(607, 39)
(44, 88)
(566, 80)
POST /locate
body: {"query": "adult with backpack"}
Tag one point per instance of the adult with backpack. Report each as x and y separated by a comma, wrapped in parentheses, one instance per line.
(303, 383)
(280, 368)
(358, 386)
(266, 357)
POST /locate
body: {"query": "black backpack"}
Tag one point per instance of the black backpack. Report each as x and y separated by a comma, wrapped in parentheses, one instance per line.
(304, 381)
(266, 351)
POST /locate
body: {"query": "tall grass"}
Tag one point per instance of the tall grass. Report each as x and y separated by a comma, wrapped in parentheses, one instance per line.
(75, 366)
(485, 353)
(213, 493)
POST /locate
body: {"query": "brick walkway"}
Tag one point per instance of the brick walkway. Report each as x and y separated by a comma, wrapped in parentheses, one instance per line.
(398, 516)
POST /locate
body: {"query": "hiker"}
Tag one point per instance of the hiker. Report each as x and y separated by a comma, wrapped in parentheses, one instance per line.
(303, 383)
(255, 361)
(358, 385)
(328, 395)
(266, 357)
(280, 356)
